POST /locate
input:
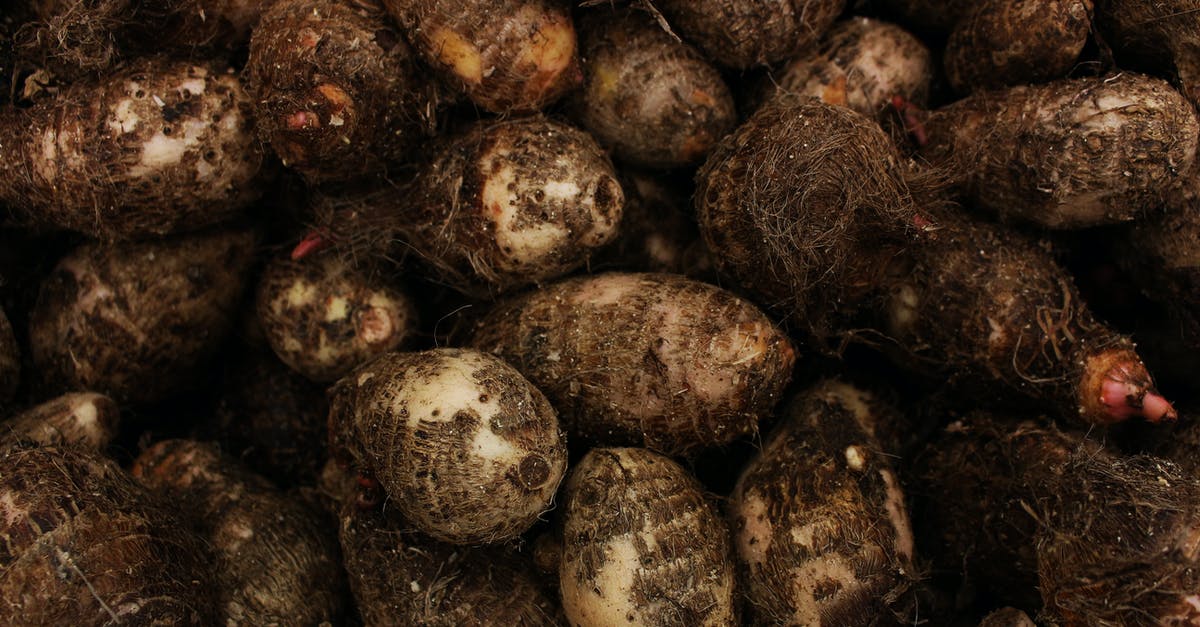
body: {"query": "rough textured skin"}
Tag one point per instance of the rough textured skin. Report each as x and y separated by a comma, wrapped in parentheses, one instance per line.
(658, 231)
(784, 200)
(10, 360)
(642, 545)
(1068, 154)
(979, 302)
(277, 563)
(512, 203)
(136, 322)
(1007, 617)
(506, 55)
(820, 523)
(335, 87)
(83, 419)
(655, 360)
(651, 98)
(1157, 32)
(466, 449)
(742, 35)
(862, 63)
(1163, 254)
(82, 544)
(1115, 537)
(273, 419)
(402, 579)
(159, 147)
(930, 15)
(323, 317)
(1006, 42)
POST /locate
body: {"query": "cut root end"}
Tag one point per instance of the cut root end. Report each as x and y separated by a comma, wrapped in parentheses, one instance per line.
(911, 116)
(1116, 387)
(1126, 399)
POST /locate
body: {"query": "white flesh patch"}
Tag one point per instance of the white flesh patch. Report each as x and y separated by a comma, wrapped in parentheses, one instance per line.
(898, 515)
(452, 389)
(903, 310)
(809, 576)
(613, 603)
(605, 290)
(527, 245)
(754, 538)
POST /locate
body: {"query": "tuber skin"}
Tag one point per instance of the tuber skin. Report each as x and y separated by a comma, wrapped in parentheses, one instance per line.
(820, 523)
(337, 92)
(323, 317)
(642, 545)
(10, 361)
(1091, 151)
(273, 419)
(466, 449)
(505, 205)
(748, 34)
(861, 64)
(80, 419)
(276, 562)
(507, 56)
(1007, 617)
(1162, 32)
(139, 321)
(158, 147)
(655, 360)
(400, 578)
(86, 545)
(651, 98)
(1113, 537)
(781, 199)
(981, 302)
(1005, 42)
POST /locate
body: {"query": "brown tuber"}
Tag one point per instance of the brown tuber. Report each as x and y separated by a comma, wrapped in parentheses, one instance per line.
(276, 562)
(337, 92)
(400, 578)
(323, 316)
(465, 448)
(139, 321)
(643, 545)
(506, 55)
(741, 35)
(79, 419)
(158, 147)
(1069, 154)
(654, 100)
(83, 544)
(820, 523)
(646, 359)
(1163, 32)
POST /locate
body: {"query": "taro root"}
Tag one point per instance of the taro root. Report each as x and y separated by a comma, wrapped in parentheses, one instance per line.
(1087, 151)
(505, 205)
(1006, 42)
(658, 231)
(647, 359)
(276, 562)
(401, 578)
(782, 200)
(1165, 33)
(158, 147)
(642, 545)
(862, 64)
(651, 98)
(820, 523)
(86, 545)
(466, 449)
(506, 55)
(81, 419)
(1113, 537)
(138, 322)
(272, 418)
(1007, 617)
(10, 360)
(742, 35)
(336, 89)
(323, 316)
(979, 302)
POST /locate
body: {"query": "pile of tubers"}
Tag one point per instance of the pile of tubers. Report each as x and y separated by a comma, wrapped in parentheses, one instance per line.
(600, 313)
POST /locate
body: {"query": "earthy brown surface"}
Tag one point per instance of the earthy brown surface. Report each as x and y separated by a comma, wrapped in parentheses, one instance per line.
(1159, 32)
(466, 449)
(80, 419)
(139, 321)
(642, 544)
(158, 147)
(742, 34)
(649, 359)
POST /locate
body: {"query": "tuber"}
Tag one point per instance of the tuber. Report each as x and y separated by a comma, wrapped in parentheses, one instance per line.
(79, 419)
